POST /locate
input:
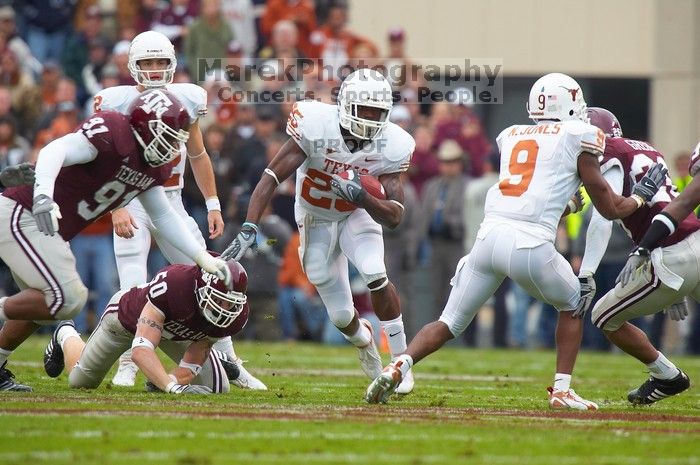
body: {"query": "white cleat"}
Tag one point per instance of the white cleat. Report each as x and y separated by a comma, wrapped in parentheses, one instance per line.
(247, 381)
(370, 360)
(569, 399)
(126, 374)
(383, 386)
(407, 383)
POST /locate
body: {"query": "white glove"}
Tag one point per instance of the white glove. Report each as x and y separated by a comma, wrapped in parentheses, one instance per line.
(213, 265)
(174, 388)
(637, 262)
(677, 311)
(46, 213)
(587, 293)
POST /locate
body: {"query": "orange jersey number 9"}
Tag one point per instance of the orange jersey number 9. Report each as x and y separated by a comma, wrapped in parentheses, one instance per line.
(521, 172)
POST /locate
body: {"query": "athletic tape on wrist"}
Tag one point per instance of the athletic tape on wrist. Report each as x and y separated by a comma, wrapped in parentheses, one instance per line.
(213, 204)
(142, 342)
(193, 367)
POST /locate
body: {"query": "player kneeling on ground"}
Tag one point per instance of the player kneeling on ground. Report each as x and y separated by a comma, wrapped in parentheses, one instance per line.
(163, 313)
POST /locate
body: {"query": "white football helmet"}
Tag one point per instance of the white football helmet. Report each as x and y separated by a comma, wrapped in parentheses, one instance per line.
(364, 88)
(149, 45)
(556, 96)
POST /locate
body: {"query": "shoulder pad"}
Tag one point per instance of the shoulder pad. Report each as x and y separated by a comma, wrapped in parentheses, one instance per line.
(400, 143)
(192, 97)
(116, 98)
(307, 120)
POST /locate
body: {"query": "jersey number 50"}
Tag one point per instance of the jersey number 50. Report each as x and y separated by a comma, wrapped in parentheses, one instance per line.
(521, 168)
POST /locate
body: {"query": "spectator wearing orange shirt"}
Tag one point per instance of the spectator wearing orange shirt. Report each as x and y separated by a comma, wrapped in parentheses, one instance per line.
(301, 312)
(300, 12)
(334, 43)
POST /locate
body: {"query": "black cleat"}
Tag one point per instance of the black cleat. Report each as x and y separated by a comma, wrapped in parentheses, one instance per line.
(654, 389)
(233, 372)
(150, 387)
(8, 383)
(53, 355)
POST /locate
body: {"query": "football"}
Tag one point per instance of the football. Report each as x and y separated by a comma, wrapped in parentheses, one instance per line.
(370, 184)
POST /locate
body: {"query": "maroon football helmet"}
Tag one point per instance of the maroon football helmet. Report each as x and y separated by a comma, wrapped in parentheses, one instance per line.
(222, 301)
(605, 121)
(160, 124)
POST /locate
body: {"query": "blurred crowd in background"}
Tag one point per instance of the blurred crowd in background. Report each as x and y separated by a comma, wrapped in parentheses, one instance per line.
(55, 55)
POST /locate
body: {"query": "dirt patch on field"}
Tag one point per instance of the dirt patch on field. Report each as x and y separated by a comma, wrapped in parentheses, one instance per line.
(377, 414)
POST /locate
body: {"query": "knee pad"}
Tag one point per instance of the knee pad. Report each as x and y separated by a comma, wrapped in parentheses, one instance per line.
(78, 379)
(376, 283)
(341, 318)
(75, 295)
(319, 274)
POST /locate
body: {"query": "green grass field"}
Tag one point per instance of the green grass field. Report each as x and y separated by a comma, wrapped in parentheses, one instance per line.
(469, 406)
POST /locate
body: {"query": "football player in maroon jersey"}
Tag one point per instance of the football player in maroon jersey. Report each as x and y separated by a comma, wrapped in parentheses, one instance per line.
(183, 310)
(667, 276)
(110, 160)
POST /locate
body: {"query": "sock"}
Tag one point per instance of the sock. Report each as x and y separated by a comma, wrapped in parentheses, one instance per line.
(3, 317)
(663, 368)
(395, 336)
(404, 363)
(361, 338)
(4, 354)
(225, 345)
(562, 381)
(66, 331)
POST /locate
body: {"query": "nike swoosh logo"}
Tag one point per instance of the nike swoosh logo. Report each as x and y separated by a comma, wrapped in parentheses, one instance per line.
(395, 334)
(371, 159)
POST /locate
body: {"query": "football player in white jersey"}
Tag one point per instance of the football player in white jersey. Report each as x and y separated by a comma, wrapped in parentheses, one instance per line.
(337, 219)
(542, 167)
(152, 64)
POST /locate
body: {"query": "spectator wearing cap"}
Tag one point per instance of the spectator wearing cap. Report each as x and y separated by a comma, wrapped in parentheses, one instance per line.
(208, 37)
(120, 59)
(424, 163)
(300, 12)
(98, 57)
(8, 31)
(14, 149)
(253, 150)
(173, 22)
(442, 215)
(48, 25)
(464, 126)
(240, 15)
(334, 43)
(75, 56)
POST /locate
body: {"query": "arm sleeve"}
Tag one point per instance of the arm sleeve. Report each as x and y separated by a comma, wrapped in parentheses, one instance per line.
(168, 222)
(600, 229)
(71, 149)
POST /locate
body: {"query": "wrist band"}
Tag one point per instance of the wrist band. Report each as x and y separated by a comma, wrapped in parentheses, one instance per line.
(197, 156)
(638, 199)
(252, 225)
(213, 204)
(193, 367)
(142, 342)
(272, 173)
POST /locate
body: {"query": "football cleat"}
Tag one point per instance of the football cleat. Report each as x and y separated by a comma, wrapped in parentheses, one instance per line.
(370, 360)
(150, 387)
(406, 386)
(245, 380)
(229, 364)
(384, 385)
(569, 399)
(8, 383)
(654, 389)
(53, 355)
(126, 373)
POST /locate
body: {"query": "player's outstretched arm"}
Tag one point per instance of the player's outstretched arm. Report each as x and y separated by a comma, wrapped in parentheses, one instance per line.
(149, 328)
(390, 211)
(192, 361)
(610, 205)
(288, 159)
(204, 177)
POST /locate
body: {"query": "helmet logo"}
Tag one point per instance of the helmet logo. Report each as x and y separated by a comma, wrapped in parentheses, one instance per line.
(210, 278)
(156, 102)
(573, 92)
